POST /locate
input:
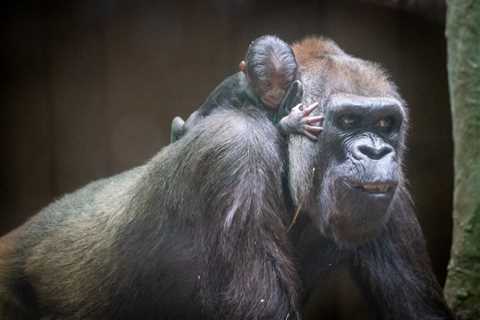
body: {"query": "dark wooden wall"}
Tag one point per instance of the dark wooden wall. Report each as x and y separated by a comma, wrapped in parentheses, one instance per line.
(89, 88)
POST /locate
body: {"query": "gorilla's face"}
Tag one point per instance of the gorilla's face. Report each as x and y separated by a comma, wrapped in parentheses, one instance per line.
(358, 167)
(348, 181)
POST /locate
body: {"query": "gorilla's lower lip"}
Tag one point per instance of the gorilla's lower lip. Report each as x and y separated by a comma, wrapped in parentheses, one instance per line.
(379, 188)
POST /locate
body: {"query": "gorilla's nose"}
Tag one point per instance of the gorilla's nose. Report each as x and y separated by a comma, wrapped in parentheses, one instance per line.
(372, 151)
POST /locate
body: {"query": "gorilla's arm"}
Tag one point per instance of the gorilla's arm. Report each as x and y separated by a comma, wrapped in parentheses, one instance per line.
(394, 269)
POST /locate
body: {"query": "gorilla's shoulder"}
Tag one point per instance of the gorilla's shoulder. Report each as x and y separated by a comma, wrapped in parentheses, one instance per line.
(227, 134)
(248, 122)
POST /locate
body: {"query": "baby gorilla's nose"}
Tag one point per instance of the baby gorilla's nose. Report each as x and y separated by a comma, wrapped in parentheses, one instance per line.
(273, 97)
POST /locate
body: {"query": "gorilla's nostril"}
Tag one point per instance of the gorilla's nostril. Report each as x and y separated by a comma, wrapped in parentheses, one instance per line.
(373, 152)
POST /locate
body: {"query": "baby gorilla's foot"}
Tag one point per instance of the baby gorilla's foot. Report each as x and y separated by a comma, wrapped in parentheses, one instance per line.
(177, 130)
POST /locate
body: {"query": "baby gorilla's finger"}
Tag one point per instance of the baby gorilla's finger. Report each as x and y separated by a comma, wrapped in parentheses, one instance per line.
(313, 129)
(310, 108)
(314, 119)
(309, 135)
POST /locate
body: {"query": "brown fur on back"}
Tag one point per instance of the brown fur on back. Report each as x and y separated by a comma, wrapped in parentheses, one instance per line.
(323, 60)
(314, 48)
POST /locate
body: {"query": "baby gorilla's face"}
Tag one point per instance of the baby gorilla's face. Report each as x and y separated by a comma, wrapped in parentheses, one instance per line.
(271, 92)
(272, 98)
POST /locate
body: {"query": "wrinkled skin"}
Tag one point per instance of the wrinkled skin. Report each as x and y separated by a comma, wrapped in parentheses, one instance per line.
(361, 167)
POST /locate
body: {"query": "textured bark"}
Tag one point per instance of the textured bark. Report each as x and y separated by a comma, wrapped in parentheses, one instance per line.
(463, 34)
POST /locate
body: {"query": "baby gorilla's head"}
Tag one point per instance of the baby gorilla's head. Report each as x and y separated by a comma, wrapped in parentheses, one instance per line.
(270, 68)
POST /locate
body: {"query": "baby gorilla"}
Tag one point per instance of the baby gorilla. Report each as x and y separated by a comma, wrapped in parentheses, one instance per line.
(267, 80)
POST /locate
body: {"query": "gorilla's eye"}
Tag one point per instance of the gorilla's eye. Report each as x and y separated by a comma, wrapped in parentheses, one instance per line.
(385, 124)
(348, 122)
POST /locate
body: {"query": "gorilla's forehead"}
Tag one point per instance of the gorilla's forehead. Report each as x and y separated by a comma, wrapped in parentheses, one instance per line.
(347, 101)
(326, 79)
(327, 70)
(332, 91)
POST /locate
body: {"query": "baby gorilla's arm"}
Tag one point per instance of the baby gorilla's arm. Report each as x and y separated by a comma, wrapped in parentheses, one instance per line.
(299, 121)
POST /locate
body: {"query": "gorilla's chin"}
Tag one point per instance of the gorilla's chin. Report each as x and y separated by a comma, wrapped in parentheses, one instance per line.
(358, 210)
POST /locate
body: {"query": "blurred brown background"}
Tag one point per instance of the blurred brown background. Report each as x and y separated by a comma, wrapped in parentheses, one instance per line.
(88, 88)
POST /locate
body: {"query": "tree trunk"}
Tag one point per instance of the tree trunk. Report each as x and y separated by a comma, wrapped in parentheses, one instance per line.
(463, 34)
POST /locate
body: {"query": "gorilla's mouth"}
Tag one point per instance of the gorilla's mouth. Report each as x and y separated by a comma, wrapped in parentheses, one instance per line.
(361, 207)
(374, 188)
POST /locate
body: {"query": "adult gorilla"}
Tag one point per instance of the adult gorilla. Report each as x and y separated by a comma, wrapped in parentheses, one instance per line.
(200, 231)
(357, 211)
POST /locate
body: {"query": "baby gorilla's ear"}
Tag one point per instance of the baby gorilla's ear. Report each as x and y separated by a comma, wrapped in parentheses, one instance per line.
(242, 66)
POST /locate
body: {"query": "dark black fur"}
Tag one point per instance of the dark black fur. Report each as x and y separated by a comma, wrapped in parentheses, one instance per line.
(199, 232)
(221, 239)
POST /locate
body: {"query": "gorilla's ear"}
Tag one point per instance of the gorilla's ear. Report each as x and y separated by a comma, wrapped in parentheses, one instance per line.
(301, 157)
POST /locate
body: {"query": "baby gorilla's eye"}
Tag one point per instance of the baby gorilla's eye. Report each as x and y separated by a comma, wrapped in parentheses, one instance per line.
(267, 86)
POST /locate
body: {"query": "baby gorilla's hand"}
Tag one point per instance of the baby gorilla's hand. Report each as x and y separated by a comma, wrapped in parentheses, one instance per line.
(299, 121)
